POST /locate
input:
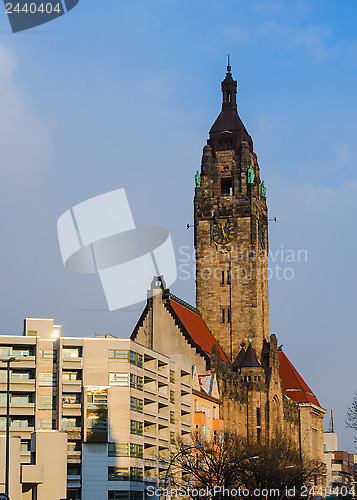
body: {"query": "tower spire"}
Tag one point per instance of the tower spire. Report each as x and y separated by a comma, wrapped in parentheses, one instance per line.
(229, 64)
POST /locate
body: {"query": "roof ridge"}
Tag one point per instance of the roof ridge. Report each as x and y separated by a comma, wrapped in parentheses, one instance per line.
(184, 303)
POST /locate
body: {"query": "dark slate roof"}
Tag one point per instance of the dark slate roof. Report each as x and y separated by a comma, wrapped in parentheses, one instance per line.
(228, 119)
(237, 361)
(250, 359)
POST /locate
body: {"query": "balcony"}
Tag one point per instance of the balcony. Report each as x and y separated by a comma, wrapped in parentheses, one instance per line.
(72, 385)
(71, 410)
(74, 457)
(186, 423)
(18, 409)
(69, 363)
(32, 474)
(150, 437)
(19, 385)
(23, 432)
(74, 433)
(26, 362)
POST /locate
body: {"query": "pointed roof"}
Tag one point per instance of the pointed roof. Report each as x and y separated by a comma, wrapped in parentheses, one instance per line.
(250, 359)
(195, 327)
(228, 120)
(294, 386)
(237, 361)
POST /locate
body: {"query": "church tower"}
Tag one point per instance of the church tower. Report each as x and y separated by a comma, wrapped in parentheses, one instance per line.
(231, 234)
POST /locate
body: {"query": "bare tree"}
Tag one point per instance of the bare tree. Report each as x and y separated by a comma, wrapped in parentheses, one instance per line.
(352, 414)
(262, 470)
(279, 468)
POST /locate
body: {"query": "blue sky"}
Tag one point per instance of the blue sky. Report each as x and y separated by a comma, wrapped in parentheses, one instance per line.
(122, 94)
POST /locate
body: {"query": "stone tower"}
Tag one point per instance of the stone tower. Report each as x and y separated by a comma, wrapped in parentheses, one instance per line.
(231, 234)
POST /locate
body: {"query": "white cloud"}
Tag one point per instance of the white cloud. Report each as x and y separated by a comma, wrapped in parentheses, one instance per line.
(26, 147)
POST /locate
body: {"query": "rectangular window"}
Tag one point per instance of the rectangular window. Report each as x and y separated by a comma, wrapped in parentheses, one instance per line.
(196, 404)
(97, 424)
(46, 355)
(226, 186)
(203, 431)
(214, 411)
(136, 359)
(214, 436)
(136, 382)
(73, 446)
(47, 379)
(197, 433)
(21, 352)
(70, 399)
(228, 279)
(118, 355)
(172, 396)
(15, 398)
(70, 375)
(139, 360)
(97, 400)
(5, 351)
(172, 437)
(258, 414)
(118, 474)
(69, 422)
(136, 450)
(45, 401)
(19, 375)
(259, 432)
(226, 315)
(136, 427)
(136, 404)
(120, 379)
(172, 417)
(172, 376)
(118, 449)
(45, 424)
(126, 356)
(25, 446)
(19, 423)
(71, 352)
(136, 473)
(222, 282)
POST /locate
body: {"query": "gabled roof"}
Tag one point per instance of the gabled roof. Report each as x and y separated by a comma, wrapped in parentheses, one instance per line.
(206, 383)
(196, 328)
(294, 386)
(249, 359)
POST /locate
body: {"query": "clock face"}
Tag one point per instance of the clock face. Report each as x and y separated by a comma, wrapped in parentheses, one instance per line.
(223, 233)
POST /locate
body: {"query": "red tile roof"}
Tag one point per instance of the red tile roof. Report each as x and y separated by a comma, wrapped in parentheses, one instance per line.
(197, 328)
(294, 386)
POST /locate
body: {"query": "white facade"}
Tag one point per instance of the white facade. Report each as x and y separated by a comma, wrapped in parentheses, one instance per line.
(120, 404)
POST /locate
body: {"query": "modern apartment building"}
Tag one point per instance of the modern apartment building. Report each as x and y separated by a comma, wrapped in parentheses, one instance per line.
(340, 467)
(121, 404)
